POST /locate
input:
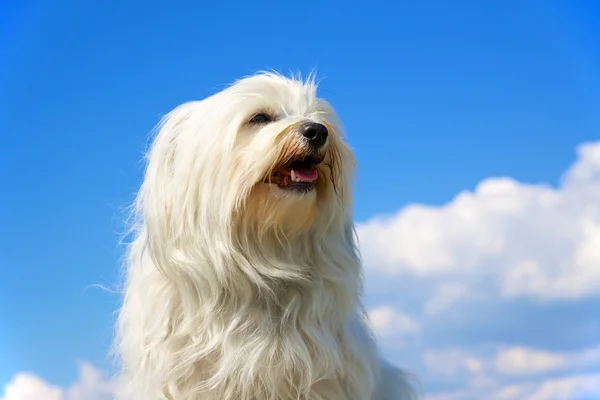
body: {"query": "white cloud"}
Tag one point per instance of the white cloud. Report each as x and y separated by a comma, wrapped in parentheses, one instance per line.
(526, 361)
(568, 387)
(386, 321)
(522, 239)
(523, 361)
(449, 363)
(481, 375)
(25, 386)
(445, 296)
(509, 361)
(483, 253)
(91, 385)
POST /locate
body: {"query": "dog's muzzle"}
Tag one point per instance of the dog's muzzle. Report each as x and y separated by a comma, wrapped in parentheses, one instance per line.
(297, 170)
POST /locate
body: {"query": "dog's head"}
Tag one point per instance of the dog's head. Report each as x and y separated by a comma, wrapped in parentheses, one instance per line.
(265, 154)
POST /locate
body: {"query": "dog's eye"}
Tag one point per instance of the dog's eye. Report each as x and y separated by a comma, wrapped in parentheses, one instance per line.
(261, 118)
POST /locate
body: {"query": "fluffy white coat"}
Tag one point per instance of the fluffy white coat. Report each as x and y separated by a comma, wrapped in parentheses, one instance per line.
(235, 288)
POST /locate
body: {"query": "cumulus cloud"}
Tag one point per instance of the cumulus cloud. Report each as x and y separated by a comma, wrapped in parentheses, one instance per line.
(520, 360)
(524, 240)
(25, 386)
(569, 387)
(452, 362)
(506, 247)
(445, 296)
(526, 361)
(386, 321)
(91, 385)
(509, 361)
(532, 373)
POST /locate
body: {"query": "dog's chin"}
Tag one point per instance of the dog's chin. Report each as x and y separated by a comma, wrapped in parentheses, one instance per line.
(295, 188)
(290, 208)
(296, 191)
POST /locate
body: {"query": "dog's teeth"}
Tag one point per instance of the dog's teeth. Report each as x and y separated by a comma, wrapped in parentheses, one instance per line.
(294, 178)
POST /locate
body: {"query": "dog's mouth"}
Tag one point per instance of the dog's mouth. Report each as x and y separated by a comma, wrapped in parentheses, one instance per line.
(299, 175)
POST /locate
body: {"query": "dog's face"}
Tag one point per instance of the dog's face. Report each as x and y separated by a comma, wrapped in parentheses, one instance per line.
(291, 153)
(265, 152)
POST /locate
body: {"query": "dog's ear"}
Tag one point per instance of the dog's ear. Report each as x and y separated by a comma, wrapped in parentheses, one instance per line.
(183, 179)
(156, 197)
(161, 202)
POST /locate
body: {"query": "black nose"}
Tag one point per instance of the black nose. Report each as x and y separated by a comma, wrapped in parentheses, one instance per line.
(315, 133)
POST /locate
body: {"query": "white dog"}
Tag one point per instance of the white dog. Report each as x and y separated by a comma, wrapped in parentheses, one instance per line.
(243, 280)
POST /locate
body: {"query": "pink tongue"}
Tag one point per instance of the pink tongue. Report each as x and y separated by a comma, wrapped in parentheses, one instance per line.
(307, 174)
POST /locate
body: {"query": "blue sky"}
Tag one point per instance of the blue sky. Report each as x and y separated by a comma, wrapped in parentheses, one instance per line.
(436, 98)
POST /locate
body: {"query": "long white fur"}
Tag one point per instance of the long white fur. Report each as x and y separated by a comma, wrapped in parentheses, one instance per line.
(236, 289)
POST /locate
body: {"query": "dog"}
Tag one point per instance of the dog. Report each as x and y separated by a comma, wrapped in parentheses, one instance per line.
(243, 278)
